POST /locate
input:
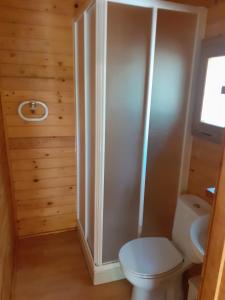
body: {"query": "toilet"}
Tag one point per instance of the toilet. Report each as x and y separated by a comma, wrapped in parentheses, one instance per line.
(154, 265)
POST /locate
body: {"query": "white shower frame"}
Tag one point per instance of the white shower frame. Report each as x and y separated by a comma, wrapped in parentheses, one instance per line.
(95, 263)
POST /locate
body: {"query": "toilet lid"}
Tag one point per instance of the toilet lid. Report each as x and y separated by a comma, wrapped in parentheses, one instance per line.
(150, 256)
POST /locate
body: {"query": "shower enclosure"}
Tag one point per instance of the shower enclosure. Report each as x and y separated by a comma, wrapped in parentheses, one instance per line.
(134, 75)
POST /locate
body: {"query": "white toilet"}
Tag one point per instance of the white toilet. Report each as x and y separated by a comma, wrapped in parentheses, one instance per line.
(154, 266)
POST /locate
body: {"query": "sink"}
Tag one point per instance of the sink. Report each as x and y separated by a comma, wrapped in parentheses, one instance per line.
(199, 236)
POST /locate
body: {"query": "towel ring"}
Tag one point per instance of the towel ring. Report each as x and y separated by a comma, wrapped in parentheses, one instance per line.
(33, 106)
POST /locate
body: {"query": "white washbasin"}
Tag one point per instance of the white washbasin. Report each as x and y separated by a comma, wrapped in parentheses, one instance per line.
(199, 235)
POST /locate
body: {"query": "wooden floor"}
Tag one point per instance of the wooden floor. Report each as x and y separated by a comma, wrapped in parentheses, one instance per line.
(52, 267)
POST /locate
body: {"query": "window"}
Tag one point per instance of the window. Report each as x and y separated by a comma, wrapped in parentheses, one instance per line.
(213, 106)
(210, 91)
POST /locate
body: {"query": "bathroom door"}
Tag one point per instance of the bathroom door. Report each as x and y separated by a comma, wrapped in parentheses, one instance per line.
(213, 283)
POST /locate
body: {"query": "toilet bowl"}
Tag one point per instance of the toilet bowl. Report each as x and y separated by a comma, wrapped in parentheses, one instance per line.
(154, 265)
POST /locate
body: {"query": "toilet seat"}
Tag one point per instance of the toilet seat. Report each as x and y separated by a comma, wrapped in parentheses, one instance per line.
(150, 257)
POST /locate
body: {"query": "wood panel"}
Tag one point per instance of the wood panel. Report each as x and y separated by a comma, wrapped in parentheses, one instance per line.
(44, 185)
(35, 58)
(6, 223)
(37, 143)
(35, 33)
(216, 20)
(36, 62)
(204, 167)
(66, 7)
(213, 276)
(53, 72)
(21, 44)
(43, 224)
(32, 17)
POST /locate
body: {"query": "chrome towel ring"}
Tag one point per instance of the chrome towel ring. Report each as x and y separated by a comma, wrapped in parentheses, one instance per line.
(33, 106)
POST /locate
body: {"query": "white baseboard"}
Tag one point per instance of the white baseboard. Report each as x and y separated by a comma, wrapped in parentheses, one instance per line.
(99, 274)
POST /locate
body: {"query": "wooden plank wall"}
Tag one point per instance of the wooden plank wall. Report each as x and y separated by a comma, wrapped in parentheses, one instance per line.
(214, 262)
(204, 167)
(6, 223)
(216, 20)
(36, 62)
(206, 156)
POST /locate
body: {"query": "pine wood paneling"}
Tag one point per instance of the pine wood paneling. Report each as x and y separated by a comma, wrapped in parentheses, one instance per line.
(26, 164)
(50, 193)
(32, 45)
(35, 58)
(204, 167)
(26, 213)
(40, 183)
(50, 96)
(40, 131)
(39, 203)
(48, 173)
(54, 72)
(213, 275)
(35, 32)
(37, 143)
(6, 223)
(216, 20)
(36, 62)
(43, 224)
(41, 153)
(32, 17)
(66, 7)
(37, 84)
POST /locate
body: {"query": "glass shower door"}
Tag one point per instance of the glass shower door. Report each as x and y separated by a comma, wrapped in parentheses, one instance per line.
(171, 79)
(128, 40)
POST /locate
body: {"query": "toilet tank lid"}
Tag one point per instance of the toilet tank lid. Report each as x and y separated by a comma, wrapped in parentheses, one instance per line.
(196, 204)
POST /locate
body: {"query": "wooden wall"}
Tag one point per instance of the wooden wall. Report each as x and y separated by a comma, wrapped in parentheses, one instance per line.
(204, 167)
(6, 224)
(206, 156)
(213, 277)
(36, 62)
(216, 20)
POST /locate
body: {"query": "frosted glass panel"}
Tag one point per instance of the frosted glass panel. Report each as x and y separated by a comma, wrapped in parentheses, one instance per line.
(127, 61)
(213, 109)
(174, 46)
(90, 124)
(80, 49)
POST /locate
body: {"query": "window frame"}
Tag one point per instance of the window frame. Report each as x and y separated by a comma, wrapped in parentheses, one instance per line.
(212, 47)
